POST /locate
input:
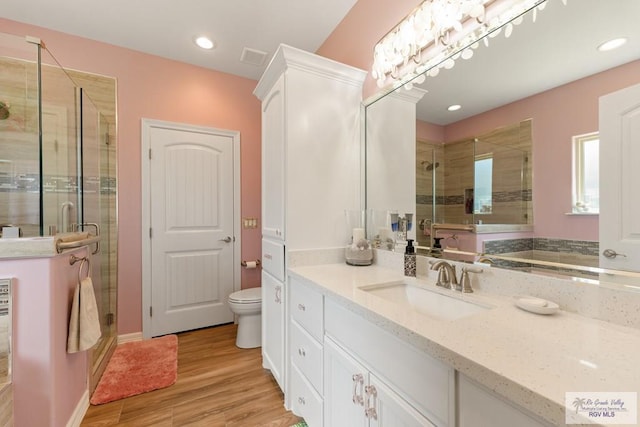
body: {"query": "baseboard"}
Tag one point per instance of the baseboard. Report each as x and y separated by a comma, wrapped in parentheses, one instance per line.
(79, 412)
(136, 336)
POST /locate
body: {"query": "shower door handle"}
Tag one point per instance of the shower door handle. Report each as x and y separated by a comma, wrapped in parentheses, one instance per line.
(97, 229)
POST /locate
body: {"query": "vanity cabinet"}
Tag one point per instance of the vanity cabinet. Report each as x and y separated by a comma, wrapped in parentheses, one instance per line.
(310, 174)
(478, 407)
(357, 397)
(306, 330)
(378, 379)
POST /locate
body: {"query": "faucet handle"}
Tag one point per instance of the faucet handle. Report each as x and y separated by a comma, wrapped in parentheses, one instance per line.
(465, 281)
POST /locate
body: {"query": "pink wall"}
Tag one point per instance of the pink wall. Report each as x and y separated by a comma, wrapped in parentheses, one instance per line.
(152, 87)
(558, 114)
(353, 40)
(45, 377)
(429, 132)
(157, 88)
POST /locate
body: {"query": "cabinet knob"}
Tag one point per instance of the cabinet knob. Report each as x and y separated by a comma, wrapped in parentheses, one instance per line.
(301, 352)
(278, 294)
(301, 400)
(268, 256)
(302, 307)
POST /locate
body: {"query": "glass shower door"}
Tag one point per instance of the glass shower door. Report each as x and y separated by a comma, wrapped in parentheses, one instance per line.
(97, 202)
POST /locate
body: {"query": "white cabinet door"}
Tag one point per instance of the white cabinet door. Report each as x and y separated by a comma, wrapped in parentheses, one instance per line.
(478, 407)
(619, 178)
(273, 162)
(344, 384)
(273, 295)
(387, 409)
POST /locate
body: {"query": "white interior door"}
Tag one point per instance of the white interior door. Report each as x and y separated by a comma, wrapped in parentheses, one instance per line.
(619, 177)
(192, 228)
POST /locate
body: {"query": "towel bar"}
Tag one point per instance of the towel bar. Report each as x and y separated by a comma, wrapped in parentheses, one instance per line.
(61, 246)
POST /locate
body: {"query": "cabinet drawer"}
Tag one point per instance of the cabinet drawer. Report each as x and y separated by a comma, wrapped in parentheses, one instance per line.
(305, 402)
(306, 308)
(306, 353)
(273, 258)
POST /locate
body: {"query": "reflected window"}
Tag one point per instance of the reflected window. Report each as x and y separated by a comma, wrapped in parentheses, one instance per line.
(586, 173)
(483, 184)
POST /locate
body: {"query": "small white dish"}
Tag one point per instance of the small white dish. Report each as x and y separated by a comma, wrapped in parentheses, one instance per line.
(536, 305)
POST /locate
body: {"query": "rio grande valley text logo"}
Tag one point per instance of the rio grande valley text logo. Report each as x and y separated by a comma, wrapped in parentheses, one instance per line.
(601, 407)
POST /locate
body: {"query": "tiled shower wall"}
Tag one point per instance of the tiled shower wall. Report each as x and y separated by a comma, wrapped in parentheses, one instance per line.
(577, 252)
(510, 148)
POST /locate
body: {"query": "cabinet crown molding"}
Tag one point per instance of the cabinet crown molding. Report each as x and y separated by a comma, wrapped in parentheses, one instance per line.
(287, 57)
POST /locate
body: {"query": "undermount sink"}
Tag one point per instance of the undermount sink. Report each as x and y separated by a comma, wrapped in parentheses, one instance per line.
(431, 303)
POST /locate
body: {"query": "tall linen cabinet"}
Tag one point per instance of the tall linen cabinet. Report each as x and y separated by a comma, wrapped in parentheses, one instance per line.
(311, 173)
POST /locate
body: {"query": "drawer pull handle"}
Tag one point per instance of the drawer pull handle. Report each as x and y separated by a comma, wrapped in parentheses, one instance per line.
(370, 410)
(268, 256)
(301, 307)
(279, 294)
(358, 380)
(301, 400)
(301, 352)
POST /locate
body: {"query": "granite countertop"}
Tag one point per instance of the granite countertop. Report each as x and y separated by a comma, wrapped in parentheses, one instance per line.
(530, 359)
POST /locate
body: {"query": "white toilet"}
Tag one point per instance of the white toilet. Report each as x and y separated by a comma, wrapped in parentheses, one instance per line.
(247, 304)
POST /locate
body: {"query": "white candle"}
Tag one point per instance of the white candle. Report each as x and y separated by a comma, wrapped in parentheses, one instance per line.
(358, 234)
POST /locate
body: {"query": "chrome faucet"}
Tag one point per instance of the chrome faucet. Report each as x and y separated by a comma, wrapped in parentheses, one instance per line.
(446, 274)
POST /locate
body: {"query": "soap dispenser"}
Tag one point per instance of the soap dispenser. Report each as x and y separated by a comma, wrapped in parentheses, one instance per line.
(410, 259)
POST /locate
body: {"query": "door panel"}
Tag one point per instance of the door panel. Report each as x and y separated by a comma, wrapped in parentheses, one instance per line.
(344, 384)
(191, 178)
(619, 177)
(391, 410)
(273, 327)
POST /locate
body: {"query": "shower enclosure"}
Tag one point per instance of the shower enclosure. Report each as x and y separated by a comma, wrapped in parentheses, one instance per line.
(57, 162)
(479, 180)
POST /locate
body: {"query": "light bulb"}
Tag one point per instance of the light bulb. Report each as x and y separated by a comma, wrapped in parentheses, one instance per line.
(205, 42)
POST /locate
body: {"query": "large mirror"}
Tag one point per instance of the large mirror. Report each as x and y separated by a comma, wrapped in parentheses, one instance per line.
(498, 175)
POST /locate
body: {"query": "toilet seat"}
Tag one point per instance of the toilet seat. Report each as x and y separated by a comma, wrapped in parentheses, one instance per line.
(246, 296)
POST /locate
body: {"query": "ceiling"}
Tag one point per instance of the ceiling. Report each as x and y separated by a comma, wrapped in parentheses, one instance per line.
(558, 48)
(167, 28)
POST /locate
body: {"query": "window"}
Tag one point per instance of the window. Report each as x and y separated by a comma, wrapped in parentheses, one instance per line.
(482, 203)
(586, 173)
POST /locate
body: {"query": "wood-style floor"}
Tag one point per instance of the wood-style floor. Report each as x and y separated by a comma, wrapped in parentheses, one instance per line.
(218, 385)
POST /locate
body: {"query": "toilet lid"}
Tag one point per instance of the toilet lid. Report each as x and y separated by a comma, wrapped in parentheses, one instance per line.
(246, 296)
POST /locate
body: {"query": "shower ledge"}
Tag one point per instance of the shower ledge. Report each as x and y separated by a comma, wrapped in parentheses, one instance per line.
(28, 247)
(38, 247)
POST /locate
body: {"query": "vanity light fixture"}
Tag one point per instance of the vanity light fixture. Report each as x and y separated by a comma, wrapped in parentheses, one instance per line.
(612, 44)
(454, 107)
(438, 32)
(205, 42)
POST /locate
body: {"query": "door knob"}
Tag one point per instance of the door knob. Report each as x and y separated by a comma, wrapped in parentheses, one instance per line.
(610, 253)
(226, 239)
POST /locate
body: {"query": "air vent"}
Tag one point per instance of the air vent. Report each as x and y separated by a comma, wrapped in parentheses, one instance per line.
(253, 56)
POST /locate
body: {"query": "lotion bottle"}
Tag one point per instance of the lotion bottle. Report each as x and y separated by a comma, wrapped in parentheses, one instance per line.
(410, 259)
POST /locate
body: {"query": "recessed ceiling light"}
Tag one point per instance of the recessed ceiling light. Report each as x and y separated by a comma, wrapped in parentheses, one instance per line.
(612, 44)
(454, 107)
(205, 42)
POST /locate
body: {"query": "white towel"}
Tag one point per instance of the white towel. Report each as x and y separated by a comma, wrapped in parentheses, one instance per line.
(84, 324)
